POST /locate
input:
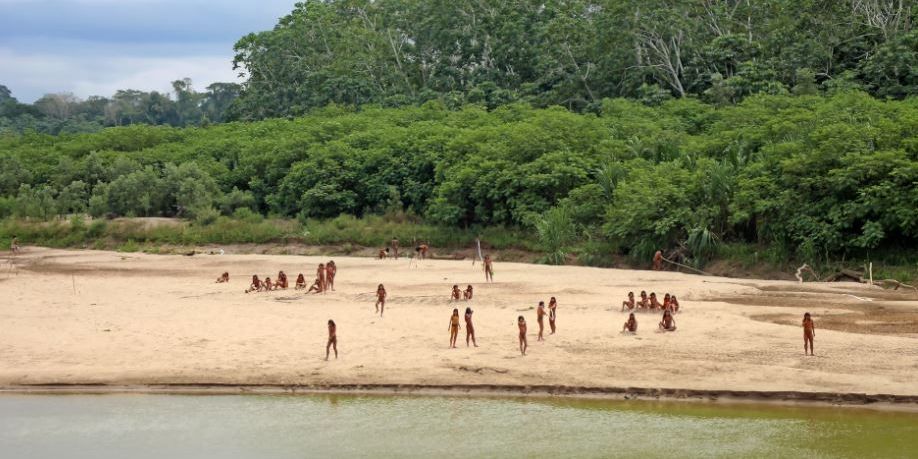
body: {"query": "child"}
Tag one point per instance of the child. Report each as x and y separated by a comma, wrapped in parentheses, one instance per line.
(332, 338)
(645, 302)
(540, 315)
(380, 299)
(300, 282)
(667, 303)
(469, 328)
(809, 332)
(330, 270)
(268, 284)
(456, 293)
(256, 284)
(674, 302)
(630, 325)
(552, 306)
(668, 323)
(453, 328)
(654, 303)
(629, 303)
(467, 294)
(521, 322)
(223, 278)
(281, 280)
(488, 269)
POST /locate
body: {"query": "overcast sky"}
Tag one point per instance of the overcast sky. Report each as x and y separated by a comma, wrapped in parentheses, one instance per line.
(95, 47)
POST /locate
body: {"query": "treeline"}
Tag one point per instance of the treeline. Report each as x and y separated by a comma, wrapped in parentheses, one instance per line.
(64, 113)
(808, 176)
(573, 53)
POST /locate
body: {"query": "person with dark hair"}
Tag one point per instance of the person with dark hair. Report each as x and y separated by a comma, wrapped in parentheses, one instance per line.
(380, 299)
(456, 294)
(540, 318)
(223, 278)
(467, 294)
(552, 314)
(332, 338)
(469, 328)
(521, 323)
(668, 323)
(809, 332)
(630, 325)
(629, 303)
(453, 328)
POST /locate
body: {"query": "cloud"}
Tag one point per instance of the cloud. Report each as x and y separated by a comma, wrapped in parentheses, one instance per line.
(94, 47)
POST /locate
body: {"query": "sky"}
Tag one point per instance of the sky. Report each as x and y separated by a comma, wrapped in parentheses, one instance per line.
(95, 47)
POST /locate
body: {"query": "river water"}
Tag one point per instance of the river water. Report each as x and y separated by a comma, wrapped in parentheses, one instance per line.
(324, 426)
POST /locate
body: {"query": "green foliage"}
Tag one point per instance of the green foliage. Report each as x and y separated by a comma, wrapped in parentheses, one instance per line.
(556, 232)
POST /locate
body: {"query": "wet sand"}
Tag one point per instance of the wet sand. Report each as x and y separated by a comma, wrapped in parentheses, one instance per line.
(88, 317)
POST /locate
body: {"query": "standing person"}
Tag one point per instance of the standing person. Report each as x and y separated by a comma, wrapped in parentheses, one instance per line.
(320, 275)
(453, 328)
(552, 315)
(540, 318)
(488, 269)
(521, 322)
(330, 270)
(14, 245)
(380, 299)
(809, 332)
(395, 247)
(658, 261)
(332, 338)
(469, 328)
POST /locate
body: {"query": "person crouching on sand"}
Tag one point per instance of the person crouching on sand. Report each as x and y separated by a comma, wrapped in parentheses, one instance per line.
(300, 282)
(629, 303)
(630, 325)
(456, 293)
(223, 278)
(281, 280)
(469, 328)
(467, 294)
(668, 323)
(453, 328)
(256, 284)
(809, 332)
(521, 322)
(332, 338)
(380, 299)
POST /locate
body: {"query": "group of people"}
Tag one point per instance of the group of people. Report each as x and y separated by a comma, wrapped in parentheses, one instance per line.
(454, 328)
(540, 319)
(461, 294)
(650, 303)
(422, 250)
(325, 280)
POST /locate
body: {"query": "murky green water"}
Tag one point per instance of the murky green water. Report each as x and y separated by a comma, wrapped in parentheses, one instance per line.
(320, 426)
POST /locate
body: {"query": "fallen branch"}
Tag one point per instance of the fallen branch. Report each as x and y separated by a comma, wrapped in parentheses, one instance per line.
(802, 269)
(687, 267)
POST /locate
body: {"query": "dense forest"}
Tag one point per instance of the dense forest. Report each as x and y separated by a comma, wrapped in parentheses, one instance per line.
(597, 127)
(811, 176)
(64, 113)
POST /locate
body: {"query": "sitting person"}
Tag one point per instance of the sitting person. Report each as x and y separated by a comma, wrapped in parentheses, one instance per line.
(316, 286)
(668, 323)
(268, 284)
(667, 303)
(223, 278)
(256, 284)
(467, 294)
(631, 325)
(281, 281)
(300, 282)
(675, 303)
(645, 302)
(382, 254)
(456, 293)
(654, 303)
(629, 303)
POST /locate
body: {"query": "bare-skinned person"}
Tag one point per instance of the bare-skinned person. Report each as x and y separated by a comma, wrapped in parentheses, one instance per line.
(467, 294)
(540, 318)
(645, 302)
(332, 338)
(521, 323)
(629, 303)
(456, 294)
(422, 250)
(330, 271)
(256, 284)
(469, 328)
(552, 313)
(654, 303)
(809, 333)
(380, 299)
(488, 269)
(631, 324)
(453, 328)
(281, 280)
(268, 284)
(668, 323)
(320, 274)
(300, 282)
(383, 254)
(223, 278)
(667, 303)
(395, 248)
(658, 261)
(674, 302)
(316, 286)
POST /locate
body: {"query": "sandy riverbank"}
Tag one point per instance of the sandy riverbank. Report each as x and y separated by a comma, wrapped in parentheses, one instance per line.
(84, 317)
